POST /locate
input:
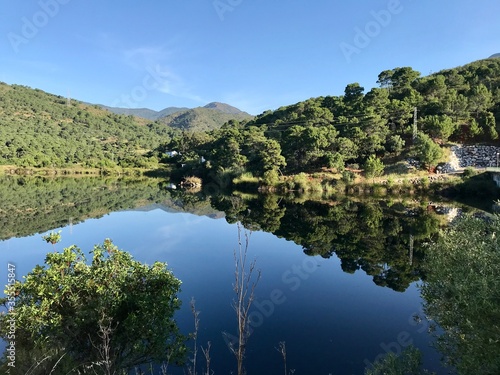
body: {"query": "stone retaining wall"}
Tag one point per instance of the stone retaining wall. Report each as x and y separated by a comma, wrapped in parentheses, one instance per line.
(471, 156)
(477, 156)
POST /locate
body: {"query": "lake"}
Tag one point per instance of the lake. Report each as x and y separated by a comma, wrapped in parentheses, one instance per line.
(339, 278)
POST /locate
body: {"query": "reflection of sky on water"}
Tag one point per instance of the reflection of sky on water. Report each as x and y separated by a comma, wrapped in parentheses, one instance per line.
(331, 321)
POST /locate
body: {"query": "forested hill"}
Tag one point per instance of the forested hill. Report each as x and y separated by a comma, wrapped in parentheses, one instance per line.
(461, 104)
(202, 118)
(464, 95)
(144, 112)
(38, 129)
(226, 108)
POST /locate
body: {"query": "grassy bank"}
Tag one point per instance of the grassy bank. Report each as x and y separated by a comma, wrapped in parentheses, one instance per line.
(76, 170)
(350, 182)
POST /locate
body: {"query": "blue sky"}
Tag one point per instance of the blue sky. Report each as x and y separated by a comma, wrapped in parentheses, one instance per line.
(253, 54)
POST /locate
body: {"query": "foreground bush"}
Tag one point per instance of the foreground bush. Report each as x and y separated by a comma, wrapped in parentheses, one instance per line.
(109, 315)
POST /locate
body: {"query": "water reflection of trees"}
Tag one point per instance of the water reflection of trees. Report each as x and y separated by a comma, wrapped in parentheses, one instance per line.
(382, 239)
(36, 204)
(385, 240)
(462, 295)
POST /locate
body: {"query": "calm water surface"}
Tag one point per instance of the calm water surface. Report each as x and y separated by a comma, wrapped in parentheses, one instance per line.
(333, 322)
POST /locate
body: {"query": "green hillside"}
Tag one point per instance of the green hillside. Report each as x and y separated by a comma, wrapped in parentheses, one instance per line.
(461, 104)
(362, 128)
(201, 119)
(226, 108)
(38, 129)
(144, 112)
(155, 115)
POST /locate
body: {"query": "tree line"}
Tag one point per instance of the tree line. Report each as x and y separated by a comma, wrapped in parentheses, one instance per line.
(357, 128)
(360, 128)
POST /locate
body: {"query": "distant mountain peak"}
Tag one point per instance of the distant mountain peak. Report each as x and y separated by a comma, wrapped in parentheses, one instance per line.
(496, 55)
(146, 113)
(224, 108)
(156, 115)
(204, 118)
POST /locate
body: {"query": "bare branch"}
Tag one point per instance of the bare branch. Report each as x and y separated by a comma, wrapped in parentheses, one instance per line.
(192, 371)
(282, 350)
(206, 353)
(244, 288)
(55, 365)
(38, 363)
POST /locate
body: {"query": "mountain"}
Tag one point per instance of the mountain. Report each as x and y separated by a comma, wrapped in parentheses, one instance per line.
(155, 115)
(204, 119)
(496, 55)
(38, 129)
(143, 112)
(195, 207)
(209, 117)
(225, 108)
(168, 111)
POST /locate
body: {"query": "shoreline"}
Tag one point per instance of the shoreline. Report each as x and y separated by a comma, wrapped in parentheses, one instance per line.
(77, 171)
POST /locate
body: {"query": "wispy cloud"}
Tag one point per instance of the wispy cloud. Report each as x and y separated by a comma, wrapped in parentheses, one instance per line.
(158, 61)
(144, 56)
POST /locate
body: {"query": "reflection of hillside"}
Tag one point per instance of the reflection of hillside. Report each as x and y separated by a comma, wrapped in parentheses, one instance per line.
(36, 204)
(384, 240)
(200, 208)
(33, 205)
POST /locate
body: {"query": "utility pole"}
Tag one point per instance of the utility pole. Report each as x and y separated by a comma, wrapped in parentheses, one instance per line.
(415, 124)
